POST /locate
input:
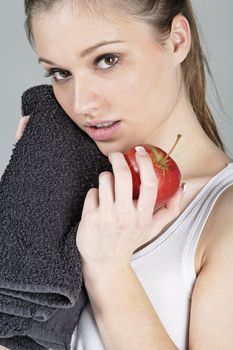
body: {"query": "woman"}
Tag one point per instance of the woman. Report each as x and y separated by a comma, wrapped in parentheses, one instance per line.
(159, 280)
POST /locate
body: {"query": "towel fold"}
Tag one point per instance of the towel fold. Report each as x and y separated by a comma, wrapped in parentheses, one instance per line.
(42, 191)
(23, 334)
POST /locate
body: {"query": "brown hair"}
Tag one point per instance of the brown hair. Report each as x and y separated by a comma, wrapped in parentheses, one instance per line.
(159, 14)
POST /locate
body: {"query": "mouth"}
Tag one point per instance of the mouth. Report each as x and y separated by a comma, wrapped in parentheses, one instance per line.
(104, 132)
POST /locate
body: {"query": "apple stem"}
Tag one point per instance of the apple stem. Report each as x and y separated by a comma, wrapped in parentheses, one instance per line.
(168, 154)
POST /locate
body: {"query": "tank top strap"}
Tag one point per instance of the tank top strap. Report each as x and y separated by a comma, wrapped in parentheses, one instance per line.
(209, 195)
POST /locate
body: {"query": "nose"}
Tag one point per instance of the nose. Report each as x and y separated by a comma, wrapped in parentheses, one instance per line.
(85, 98)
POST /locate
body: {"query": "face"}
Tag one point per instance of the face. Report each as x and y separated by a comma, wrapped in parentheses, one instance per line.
(133, 81)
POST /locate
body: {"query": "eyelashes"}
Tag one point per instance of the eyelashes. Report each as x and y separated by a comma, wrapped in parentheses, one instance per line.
(51, 73)
(58, 74)
(105, 57)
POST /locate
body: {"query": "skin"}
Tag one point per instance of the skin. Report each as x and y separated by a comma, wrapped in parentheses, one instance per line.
(146, 93)
(93, 92)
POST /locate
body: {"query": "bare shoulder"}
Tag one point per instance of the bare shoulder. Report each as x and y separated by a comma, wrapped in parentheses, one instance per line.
(223, 205)
(219, 227)
(211, 315)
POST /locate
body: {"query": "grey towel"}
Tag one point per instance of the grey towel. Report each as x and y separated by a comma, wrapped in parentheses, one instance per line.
(26, 334)
(42, 191)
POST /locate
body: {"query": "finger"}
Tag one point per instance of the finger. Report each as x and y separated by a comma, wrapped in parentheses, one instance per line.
(170, 211)
(149, 184)
(106, 189)
(25, 118)
(91, 201)
(21, 126)
(122, 181)
(23, 122)
(174, 202)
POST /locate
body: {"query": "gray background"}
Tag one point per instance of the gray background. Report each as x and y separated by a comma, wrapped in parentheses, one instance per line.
(20, 70)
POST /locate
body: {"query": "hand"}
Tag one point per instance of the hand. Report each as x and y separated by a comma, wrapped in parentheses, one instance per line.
(21, 126)
(113, 225)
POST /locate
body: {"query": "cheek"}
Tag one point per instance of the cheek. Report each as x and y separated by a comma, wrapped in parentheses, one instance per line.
(64, 99)
(61, 97)
(126, 91)
(157, 87)
(143, 85)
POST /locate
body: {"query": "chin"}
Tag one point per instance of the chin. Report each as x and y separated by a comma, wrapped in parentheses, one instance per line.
(107, 148)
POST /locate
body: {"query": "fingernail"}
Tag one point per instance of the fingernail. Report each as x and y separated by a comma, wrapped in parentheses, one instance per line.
(183, 186)
(141, 150)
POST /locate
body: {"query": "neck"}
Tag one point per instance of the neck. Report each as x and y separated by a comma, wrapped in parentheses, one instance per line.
(194, 148)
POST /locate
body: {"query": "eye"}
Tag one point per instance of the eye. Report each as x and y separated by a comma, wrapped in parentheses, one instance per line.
(107, 61)
(57, 74)
(104, 62)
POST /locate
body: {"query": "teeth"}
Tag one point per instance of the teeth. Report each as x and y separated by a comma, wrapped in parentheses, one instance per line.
(105, 125)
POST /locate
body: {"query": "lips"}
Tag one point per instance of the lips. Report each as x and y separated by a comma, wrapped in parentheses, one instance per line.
(97, 122)
(101, 134)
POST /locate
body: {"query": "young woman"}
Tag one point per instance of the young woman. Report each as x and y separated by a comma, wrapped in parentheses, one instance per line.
(160, 280)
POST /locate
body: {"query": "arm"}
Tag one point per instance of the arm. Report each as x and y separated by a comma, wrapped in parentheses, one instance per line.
(124, 314)
(211, 321)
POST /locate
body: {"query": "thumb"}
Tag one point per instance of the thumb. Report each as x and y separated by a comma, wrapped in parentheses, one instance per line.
(170, 211)
(91, 201)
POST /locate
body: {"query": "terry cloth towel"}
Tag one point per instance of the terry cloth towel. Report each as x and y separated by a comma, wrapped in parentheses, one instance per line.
(55, 333)
(42, 192)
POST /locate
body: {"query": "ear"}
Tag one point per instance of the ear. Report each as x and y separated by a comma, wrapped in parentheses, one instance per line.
(180, 38)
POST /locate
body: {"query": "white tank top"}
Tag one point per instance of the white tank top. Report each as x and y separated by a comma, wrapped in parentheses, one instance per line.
(166, 269)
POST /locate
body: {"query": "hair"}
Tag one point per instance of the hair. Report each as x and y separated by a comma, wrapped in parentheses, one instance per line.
(159, 15)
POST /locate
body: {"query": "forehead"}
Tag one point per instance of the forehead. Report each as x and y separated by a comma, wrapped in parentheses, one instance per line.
(85, 28)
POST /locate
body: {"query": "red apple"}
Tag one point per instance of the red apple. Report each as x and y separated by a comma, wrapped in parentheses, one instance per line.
(167, 171)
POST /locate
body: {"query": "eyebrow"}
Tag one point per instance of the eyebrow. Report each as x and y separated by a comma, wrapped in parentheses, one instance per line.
(87, 51)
